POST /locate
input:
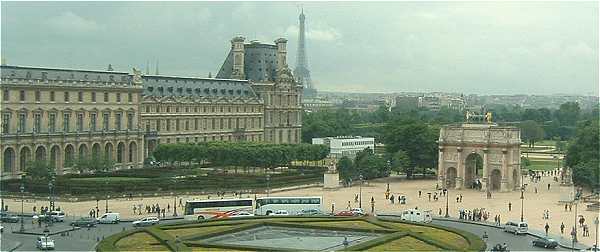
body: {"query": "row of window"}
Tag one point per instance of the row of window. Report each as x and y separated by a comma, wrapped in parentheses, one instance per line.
(291, 138)
(204, 109)
(66, 96)
(251, 138)
(205, 123)
(357, 143)
(44, 76)
(52, 120)
(197, 91)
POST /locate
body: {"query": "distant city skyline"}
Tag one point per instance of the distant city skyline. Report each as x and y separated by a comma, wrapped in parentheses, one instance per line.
(464, 47)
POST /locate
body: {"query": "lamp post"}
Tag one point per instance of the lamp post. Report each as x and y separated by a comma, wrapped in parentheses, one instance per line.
(596, 222)
(575, 226)
(22, 188)
(106, 197)
(51, 199)
(447, 202)
(268, 185)
(360, 177)
(522, 201)
(175, 199)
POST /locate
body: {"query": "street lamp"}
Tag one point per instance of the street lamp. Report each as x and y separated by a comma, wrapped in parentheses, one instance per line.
(360, 177)
(596, 222)
(22, 187)
(106, 196)
(268, 185)
(522, 201)
(447, 202)
(575, 227)
(50, 198)
(175, 199)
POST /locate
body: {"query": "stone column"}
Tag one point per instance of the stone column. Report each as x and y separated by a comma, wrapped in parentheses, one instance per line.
(486, 170)
(441, 169)
(460, 169)
(504, 185)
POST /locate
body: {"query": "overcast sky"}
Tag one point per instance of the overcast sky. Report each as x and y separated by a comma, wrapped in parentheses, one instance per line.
(470, 47)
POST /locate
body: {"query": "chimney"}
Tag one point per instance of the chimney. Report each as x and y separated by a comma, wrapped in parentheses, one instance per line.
(237, 47)
(281, 52)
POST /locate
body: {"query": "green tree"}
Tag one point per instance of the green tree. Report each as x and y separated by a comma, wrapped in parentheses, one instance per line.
(531, 132)
(417, 139)
(583, 154)
(568, 113)
(39, 170)
(346, 169)
(400, 162)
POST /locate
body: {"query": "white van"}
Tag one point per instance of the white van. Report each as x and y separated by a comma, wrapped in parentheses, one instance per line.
(516, 227)
(416, 215)
(108, 218)
(57, 216)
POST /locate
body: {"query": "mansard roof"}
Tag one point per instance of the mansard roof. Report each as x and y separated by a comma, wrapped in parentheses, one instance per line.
(260, 62)
(159, 85)
(63, 74)
(203, 99)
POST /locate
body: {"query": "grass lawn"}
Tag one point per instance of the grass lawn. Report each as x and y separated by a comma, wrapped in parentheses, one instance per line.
(542, 164)
(406, 243)
(116, 179)
(344, 224)
(437, 234)
(140, 241)
(196, 230)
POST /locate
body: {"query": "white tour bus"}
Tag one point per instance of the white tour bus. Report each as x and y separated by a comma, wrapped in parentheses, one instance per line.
(293, 205)
(217, 208)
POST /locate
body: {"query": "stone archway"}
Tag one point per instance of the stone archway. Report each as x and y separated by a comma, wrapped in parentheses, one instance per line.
(450, 177)
(132, 157)
(40, 153)
(83, 152)
(120, 152)
(25, 157)
(473, 169)
(69, 155)
(495, 179)
(55, 156)
(108, 150)
(9, 160)
(96, 151)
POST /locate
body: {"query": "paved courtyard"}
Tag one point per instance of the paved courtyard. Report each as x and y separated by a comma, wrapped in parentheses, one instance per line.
(535, 203)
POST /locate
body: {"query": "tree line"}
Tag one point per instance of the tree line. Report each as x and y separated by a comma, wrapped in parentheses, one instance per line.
(239, 154)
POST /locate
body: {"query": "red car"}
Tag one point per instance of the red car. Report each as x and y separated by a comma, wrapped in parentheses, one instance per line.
(345, 213)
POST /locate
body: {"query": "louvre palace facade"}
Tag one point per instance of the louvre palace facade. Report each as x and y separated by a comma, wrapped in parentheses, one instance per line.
(63, 115)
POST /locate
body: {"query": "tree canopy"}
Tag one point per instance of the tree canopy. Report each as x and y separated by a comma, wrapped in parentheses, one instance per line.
(583, 154)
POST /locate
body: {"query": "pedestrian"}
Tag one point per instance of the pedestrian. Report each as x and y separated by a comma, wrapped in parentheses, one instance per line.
(34, 208)
(180, 202)
(499, 221)
(485, 236)
(546, 228)
(570, 207)
(163, 212)
(548, 186)
(565, 207)
(349, 205)
(419, 193)
(356, 198)
(461, 198)
(509, 206)
(387, 194)
(562, 228)
(134, 208)
(372, 205)
(457, 197)
(332, 207)
(429, 195)
(440, 212)
(168, 208)
(581, 221)
(392, 199)
(536, 189)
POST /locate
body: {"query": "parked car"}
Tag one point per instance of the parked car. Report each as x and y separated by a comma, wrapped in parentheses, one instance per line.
(545, 242)
(6, 217)
(241, 214)
(358, 211)
(280, 213)
(516, 227)
(592, 249)
(84, 222)
(109, 218)
(44, 243)
(416, 215)
(310, 212)
(500, 247)
(1, 229)
(148, 221)
(57, 216)
(345, 213)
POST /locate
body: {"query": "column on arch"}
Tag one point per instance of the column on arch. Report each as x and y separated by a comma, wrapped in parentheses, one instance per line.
(486, 170)
(504, 181)
(460, 168)
(441, 169)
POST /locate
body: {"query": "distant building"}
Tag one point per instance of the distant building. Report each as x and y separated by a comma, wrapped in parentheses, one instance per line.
(407, 103)
(346, 146)
(430, 102)
(314, 104)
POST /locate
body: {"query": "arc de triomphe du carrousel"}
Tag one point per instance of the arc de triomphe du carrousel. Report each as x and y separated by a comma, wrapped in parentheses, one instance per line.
(480, 155)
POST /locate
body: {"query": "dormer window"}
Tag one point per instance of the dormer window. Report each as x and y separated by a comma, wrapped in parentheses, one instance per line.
(215, 90)
(111, 78)
(179, 90)
(28, 75)
(85, 76)
(189, 90)
(206, 90)
(223, 91)
(239, 92)
(72, 76)
(231, 91)
(197, 90)
(150, 89)
(170, 89)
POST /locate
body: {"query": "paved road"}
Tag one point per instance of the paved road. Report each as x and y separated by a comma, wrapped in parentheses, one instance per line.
(78, 240)
(496, 235)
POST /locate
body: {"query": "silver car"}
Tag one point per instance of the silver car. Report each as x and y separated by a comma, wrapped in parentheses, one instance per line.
(148, 221)
(44, 243)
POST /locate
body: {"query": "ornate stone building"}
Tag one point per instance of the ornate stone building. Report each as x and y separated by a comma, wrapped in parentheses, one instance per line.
(265, 66)
(190, 110)
(484, 154)
(62, 115)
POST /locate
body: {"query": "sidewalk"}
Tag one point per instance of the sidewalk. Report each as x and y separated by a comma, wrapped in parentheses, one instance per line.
(565, 243)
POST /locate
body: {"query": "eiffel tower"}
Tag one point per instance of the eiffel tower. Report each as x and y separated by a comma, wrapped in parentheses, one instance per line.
(301, 71)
